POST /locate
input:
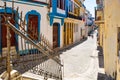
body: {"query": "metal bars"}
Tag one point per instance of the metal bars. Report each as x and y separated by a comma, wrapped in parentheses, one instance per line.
(37, 57)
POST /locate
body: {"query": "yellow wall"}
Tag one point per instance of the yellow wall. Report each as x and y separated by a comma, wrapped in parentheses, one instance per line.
(118, 69)
(68, 33)
(101, 27)
(112, 22)
(100, 17)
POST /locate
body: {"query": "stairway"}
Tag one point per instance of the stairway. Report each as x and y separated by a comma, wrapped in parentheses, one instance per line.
(35, 57)
(14, 75)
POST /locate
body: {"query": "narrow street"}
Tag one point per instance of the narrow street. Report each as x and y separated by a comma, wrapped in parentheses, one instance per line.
(81, 62)
(59, 40)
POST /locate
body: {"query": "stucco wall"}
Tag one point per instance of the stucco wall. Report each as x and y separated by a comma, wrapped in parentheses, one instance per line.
(45, 28)
(77, 35)
(112, 21)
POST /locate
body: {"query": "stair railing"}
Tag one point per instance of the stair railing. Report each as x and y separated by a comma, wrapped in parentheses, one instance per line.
(39, 58)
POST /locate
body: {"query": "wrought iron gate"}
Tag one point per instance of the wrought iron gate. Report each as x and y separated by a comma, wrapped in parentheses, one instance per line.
(32, 56)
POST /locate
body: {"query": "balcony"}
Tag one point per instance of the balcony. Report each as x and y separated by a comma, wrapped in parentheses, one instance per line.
(72, 15)
(99, 7)
(99, 1)
(78, 2)
(99, 14)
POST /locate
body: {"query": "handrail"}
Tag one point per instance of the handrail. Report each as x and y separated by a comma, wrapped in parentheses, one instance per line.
(33, 43)
(36, 57)
(24, 24)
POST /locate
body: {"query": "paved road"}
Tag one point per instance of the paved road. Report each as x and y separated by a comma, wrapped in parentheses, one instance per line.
(81, 62)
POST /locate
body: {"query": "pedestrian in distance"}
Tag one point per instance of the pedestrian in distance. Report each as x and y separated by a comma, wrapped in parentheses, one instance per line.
(92, 36)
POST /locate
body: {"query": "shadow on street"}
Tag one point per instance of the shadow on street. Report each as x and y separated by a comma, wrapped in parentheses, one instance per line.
(101, 63)
(100, 57)
(72, 45)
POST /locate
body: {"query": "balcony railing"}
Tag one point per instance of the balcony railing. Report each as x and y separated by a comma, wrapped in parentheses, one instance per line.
(99, 7)
(71, 15)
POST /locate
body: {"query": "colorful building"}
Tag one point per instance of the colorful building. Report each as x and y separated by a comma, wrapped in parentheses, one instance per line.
(89, 23)
(74, 26)
(107, 17)
(62, 22)
(22, 26)
(57, 13)
(33, 13)
(100, 17)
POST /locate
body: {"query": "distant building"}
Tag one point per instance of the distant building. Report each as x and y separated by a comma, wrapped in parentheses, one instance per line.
(74, 25)
(89, 22)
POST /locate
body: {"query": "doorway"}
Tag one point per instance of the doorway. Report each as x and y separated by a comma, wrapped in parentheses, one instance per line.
(33, 27)
(56, 35)
(3, 33)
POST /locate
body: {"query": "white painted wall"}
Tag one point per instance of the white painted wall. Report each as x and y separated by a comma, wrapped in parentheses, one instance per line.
(44, 23)
(77, 35)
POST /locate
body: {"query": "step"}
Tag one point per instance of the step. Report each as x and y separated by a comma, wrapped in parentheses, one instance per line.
(12, 51)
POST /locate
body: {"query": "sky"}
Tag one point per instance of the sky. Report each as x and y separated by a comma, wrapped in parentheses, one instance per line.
(90, 4)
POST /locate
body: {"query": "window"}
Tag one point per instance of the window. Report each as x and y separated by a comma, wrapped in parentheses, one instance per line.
(33, 27)
(76, 10)
(61, 4)
(77, 28)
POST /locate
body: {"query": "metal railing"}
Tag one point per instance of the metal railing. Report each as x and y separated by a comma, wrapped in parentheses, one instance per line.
(71, 15)
(32, 56)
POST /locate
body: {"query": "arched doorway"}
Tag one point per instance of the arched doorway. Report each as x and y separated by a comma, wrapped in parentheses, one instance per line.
(56, 35)
(33, 19)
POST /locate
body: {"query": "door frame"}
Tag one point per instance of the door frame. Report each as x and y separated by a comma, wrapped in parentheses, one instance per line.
(8, 11)
(34, 12)
(58, 33)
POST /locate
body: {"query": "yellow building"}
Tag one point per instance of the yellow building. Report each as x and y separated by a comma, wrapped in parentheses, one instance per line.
(111, 37)
(99, 20)
(73, 24)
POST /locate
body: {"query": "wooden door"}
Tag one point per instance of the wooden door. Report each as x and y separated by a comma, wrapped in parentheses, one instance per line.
(55, 35)
(33, 27)
(4, 32)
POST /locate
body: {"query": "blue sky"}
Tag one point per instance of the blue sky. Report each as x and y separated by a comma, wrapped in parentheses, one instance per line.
(90, 4)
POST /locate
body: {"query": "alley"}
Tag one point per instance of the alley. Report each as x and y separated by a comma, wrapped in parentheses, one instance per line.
(81, 62)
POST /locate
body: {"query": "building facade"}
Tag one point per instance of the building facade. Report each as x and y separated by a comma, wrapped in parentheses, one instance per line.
(108, 21)
(60, 21)
(34, 13)
(74, 25)
(57, 14)
(100, 17)
(89, 23)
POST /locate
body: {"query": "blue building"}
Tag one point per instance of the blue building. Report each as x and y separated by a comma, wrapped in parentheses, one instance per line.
(57, 14)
